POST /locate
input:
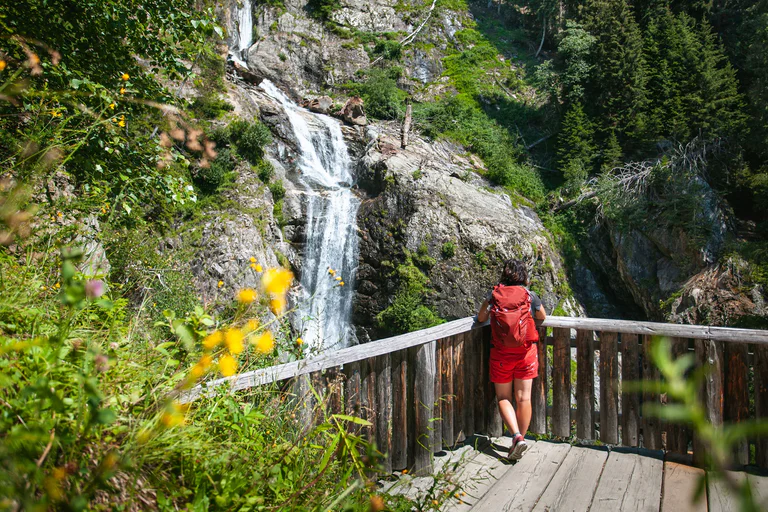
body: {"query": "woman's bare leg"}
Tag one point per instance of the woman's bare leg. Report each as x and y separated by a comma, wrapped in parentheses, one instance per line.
(504, 398)
(523, 401)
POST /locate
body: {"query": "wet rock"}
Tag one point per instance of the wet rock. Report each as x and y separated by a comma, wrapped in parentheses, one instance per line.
(321, 105)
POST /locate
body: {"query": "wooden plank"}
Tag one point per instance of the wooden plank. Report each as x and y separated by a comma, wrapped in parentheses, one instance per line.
(650, 424)
(404, 341)
(383, 402)
(761, 402)
(585, 385)
(470, 377)
(678, 435)
(494, 424)
(720, 498)
(399, 369)
(737, 393)
(447, 399)
(479, 397)
(459, 431)
(609, 398)
(629, 481)
(709, 354)
(574, 484)
(561, 383)
(352, 393)
(630, 402)
(437, 426)
(424, 407)
(522, 486)
(539, 389)
(368, 398)
(680, 484)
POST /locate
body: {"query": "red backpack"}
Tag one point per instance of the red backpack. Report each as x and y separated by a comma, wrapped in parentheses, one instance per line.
(510, 316)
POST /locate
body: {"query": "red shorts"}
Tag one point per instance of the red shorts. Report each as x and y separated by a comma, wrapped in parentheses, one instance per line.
(507, 365)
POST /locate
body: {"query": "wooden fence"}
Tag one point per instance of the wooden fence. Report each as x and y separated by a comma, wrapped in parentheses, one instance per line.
(429, 389)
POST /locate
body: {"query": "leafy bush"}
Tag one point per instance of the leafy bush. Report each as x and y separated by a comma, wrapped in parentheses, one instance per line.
(210, 179)
(383, 99)
(407, 312)
(278, 190)
(323, 9)
(265, 171)
(250, 138)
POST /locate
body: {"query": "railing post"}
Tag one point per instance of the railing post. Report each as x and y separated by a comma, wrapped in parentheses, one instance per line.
(437, 426)
(709, 354)
(399, 368)
(384, 410)
(423, 358)
(651, 424)
(470, 377)
(561, 382)
(678, 434)
(352, 393)
(459, 430)
(539, 388)
(761, 401)
(585, 385)
(737, 393)
(478, 396)
(630, 402)
(446, 362)
(494, 425)
(609, 398)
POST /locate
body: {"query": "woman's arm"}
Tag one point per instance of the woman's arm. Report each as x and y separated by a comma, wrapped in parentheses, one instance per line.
(539, 315)
(482, 314)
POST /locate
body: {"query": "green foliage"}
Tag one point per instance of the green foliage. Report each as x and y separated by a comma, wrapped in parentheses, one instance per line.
(323, 9)
(277, 189)
(575, 50)
(382, 98)
(461, 119)
(209, 179)
(448, 250)
(265, 171)
(407, 311)
(250, 138)
(388, 50)
(576, 146)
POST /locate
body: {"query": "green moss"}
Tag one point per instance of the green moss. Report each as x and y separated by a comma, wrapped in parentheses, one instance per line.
(448, 250)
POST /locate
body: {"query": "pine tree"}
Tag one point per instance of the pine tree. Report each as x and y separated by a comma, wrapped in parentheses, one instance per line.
(611, 153)
(576, 144)
(616, 89)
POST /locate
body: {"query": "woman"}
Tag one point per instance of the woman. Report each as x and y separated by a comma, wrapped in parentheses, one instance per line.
(514, 311)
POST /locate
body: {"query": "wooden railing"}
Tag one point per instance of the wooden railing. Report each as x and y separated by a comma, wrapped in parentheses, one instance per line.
(429, 389)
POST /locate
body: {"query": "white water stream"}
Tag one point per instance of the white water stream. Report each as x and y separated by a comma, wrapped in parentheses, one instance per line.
(244, 12)
(331, 230)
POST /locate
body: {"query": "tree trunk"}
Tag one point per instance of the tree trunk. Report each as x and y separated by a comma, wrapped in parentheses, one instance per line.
(406, 126)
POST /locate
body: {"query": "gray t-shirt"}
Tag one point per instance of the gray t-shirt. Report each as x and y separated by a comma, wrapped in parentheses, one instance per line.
(535, 300)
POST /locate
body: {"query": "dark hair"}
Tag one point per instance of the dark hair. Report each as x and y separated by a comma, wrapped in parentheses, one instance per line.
(514, 273)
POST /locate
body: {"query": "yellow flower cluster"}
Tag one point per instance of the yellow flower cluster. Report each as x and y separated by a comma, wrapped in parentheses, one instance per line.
(276, 282)
(174, 415)
(338, 279)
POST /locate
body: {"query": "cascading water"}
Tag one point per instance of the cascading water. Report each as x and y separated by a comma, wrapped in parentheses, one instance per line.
(244, 31)
(331, 230)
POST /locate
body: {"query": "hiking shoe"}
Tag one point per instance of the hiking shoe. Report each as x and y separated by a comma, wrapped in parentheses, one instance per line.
(519, 446)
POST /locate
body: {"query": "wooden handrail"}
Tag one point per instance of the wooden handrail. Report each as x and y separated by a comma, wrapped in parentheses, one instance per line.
(413, 339)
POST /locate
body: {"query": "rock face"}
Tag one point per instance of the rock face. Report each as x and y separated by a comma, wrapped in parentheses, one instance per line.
(426, 200)
(352, 112)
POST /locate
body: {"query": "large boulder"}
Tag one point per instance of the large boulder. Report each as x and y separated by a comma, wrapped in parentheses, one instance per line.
(426, 201)
(321, 104)
(352, 112)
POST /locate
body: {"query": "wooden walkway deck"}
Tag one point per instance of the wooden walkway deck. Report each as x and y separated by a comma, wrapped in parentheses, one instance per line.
(561, 477)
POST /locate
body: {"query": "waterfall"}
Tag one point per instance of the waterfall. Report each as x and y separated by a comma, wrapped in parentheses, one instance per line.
(244, 31)
(331, 230)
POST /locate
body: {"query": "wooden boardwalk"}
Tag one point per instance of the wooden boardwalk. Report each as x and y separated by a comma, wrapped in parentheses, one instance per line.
(561, 477)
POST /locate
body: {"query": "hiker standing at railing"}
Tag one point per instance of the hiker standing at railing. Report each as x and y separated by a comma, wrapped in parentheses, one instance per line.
(514, 361)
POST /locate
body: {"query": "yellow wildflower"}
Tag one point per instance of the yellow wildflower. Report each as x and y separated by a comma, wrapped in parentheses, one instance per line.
(227, 366)
(299, 341)
(2, 65)
(258, 268)
(341, 283)
(196, 372)
(331, 271)
(253, 260)
(253, 266)
(234, 340)
(338, 278)
(277, 305)
(121, 124)
(212, 340)
(125, 77)
(246, 295)
(220, 284)
(206, 361)
(264, 342)
(112, 106)
(277, 280)
(173, 416)
(251, 325)
(122, 90)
